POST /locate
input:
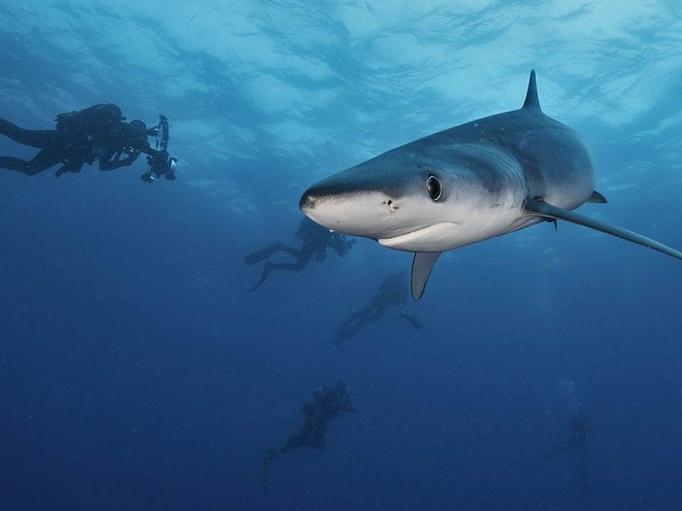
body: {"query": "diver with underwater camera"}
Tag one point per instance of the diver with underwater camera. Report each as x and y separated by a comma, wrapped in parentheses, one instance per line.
(160, 163)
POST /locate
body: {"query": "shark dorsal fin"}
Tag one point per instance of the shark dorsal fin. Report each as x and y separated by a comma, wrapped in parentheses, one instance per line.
(532, 100)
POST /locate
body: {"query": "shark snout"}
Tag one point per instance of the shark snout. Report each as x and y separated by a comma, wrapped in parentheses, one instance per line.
(307, 201)
(356, 212)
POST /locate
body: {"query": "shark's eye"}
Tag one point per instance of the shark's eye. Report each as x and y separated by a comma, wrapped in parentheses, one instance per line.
(433, 188)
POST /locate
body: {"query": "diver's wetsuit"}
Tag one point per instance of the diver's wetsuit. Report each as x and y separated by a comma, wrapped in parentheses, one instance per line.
(73, 147)
(391, 293)
(576, 444)
(52, 149)
(327, 404)
(314, 242)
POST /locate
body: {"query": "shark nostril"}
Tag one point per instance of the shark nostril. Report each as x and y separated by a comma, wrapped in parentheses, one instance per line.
(391, 205)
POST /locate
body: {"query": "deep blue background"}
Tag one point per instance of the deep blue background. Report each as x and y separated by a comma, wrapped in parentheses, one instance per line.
(138, 372)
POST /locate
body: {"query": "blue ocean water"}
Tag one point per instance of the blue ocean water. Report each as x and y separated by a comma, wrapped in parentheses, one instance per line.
(138, 371)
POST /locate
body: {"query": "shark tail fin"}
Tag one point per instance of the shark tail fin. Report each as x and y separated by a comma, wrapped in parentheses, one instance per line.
(545, 210)
(532, 100)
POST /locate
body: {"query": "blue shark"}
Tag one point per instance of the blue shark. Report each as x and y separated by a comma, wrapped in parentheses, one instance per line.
(469, 183)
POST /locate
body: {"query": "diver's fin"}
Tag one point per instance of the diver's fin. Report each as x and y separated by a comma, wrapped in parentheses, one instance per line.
(259, 255)
(548, 211)
(532, 100)
(422, 264)
(597, 198)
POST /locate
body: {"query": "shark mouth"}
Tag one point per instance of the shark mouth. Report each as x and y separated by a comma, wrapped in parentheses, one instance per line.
(432, 238)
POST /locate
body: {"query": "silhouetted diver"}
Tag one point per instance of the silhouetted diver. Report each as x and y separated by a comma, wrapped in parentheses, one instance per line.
(391, 293)
(314, 242)
(95, 133)
(327, 404)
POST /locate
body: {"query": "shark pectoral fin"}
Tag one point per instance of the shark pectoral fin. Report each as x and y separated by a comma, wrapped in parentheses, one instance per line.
(597, 198)
(422, 264)
(548, 211)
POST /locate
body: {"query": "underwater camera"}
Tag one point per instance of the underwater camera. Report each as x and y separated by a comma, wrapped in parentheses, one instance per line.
(160, 162)
(160, 165)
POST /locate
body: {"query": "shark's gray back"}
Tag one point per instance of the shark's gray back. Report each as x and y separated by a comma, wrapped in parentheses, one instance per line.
(556, 165)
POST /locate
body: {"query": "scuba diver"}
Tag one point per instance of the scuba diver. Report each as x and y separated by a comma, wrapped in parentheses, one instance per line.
(314, 242)
(327, 404)
(391, 293)
(98, 133)
(579, 427)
